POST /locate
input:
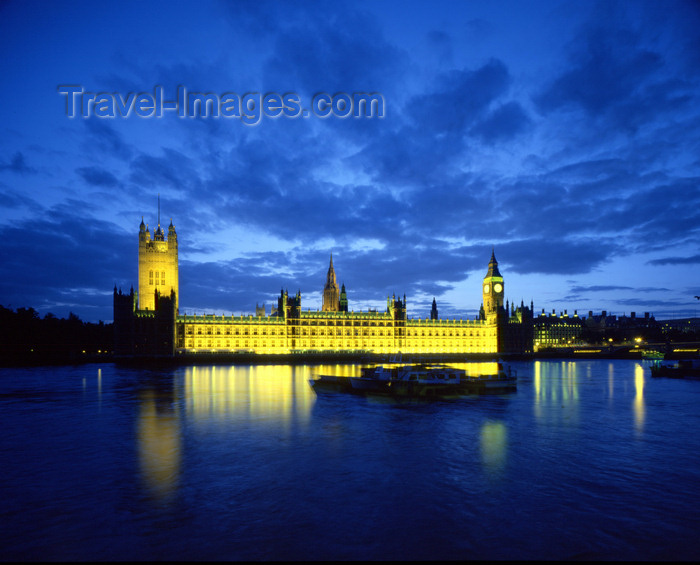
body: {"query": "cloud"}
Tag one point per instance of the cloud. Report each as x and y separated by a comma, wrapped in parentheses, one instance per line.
(459, 98)
(97, 176)
(605, 72)
(17, 164)
(104, 138)
(172, 170)
(547, 256)
(62, 259)
(502, 124)
(626, 70)
(427, 144)
(369, 276)
(564, 163)
(441, 42)
(599, 288)
(478, 28)
(342, 50)
(608, 288)
(10, 199)
(693, 259)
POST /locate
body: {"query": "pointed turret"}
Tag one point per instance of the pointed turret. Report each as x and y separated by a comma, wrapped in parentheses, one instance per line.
(493, 266)
(343, 302)
(172, 234)
(331, 292)
(330, 277)
(144, 234)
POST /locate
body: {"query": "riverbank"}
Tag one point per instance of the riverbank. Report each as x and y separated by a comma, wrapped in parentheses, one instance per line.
(335, 357)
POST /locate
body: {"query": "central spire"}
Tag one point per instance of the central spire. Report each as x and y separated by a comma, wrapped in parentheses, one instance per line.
(331, 292)
(330, 278)
(159, 235)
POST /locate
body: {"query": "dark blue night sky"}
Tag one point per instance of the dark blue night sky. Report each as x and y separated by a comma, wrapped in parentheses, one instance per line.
(563, 134)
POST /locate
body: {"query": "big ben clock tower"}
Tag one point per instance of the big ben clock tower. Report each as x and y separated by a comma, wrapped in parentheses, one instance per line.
(493, 288)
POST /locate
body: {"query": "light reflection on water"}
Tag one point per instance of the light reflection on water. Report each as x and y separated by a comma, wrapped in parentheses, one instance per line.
(638, 406)
(556, 382)
(493, 442)
(273, 392)
(248, 462)
(159, 445)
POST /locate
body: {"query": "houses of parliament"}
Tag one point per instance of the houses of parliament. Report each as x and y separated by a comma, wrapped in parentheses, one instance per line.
(147, 322)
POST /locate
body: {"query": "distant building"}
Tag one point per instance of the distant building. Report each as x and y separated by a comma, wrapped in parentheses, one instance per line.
(518, 329)
(682, 325)
(600, 322)
(605, 326)
(552, 330)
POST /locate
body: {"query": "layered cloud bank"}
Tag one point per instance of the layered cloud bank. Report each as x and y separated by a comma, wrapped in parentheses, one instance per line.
(565, 136)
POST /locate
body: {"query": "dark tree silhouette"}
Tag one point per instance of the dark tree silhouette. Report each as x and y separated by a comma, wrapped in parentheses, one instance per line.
(26, 338)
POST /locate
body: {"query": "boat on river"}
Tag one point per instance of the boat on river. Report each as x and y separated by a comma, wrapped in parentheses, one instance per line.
(330, 383)
(505, 380)
(652, 354)
(681, 369)
(409, 380)
(419, 380)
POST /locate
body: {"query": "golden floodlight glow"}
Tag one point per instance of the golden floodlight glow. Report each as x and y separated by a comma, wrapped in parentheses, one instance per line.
(158, 265)
(288, 328)
(274, 393)
(638, 405)
(375, 332)
(159, 446)
(493, 443)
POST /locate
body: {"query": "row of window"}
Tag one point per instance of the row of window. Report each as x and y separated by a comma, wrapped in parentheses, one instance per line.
(159, 278)
(346, 332)
(312, 343)
(388, 323)
(354, 322)
(236, 330)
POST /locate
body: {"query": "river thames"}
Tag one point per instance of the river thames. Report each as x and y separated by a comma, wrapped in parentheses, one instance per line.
(587, 460)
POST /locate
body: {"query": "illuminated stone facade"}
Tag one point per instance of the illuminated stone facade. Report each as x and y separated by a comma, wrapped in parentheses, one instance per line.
(289, 329)
(298, 331)
(158, 266)
(294, 330)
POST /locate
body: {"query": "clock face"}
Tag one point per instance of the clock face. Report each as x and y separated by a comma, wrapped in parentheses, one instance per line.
(486, 289)
(497, 287)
